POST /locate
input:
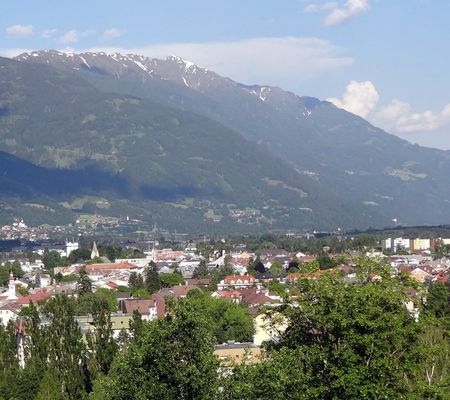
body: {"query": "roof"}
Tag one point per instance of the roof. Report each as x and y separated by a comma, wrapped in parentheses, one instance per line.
(35, 297)
(127, 306)
(232, 279)
(110, 266)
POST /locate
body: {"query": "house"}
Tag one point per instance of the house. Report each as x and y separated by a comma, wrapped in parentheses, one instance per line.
(106, 268)
(236, 353)
(40, 295)
(234, 296)
(146, 307)
(8, 312)
(237, 281)
(419, 275)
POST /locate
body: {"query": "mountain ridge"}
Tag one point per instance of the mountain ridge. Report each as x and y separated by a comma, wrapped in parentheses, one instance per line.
(373, 172)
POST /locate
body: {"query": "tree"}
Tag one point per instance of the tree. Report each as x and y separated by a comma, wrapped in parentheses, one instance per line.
(82, 253)
(359, 339)
(51, 259)
(9, 267)
(35, 353)
(101, 342)
(87, 302)
(135, 282)
(110, 251)
(173, 279)
(343, 341)
(175, 360)
(50, 388)
(152, 279)
(37, 280)
(136, 325)
(432, 378)
(202, 270)
(277, 270)
(65, 347)
(84, 284)
(438, 300)
(9, 366)
(229, 321)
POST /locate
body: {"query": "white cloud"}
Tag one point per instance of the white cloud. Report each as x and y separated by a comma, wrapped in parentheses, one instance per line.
(359, 98)
(73, 36)
(48, 33)
(69, 37)
(111, 33)
(338, 14)
(398, 116)
(347, 11)
(314, 7)
(20, 30)
(267, 60)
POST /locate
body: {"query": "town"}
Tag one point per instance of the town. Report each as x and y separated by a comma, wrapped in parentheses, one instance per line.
(249, 284)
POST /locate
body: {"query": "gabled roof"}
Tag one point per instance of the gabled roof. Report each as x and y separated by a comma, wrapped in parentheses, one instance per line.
(35, 297)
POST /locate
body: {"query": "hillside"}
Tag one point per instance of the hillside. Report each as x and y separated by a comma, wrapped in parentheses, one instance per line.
(380, 174)
(147, 159)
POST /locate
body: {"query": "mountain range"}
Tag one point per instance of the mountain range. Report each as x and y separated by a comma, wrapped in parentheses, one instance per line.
(171, 143)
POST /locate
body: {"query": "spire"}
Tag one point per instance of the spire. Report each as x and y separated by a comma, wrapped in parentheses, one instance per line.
(94, 252)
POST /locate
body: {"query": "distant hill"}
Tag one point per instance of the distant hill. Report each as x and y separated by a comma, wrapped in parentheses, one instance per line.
(209, 149)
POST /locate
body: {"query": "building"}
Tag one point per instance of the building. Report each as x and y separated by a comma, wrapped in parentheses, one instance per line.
(420, 244)
(236, 353)
(71, 246)
(396, 244)
(237, 282)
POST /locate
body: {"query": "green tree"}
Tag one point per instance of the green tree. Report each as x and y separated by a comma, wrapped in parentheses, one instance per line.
(173, 279)
(135, 282)
(359, 340)
(50, 388)
(111, 252)
(277, 270)
(136, 325)
(35, 353)
(152, 279)
(438, 300)
(202, 270)
(66, 350)
(51, 259)
(432, 378)
(101, 341)
(8, 267)
(229, 321)
(84, 284)
(37, 280)
(175, 360)
(82, 253)
(9, 366)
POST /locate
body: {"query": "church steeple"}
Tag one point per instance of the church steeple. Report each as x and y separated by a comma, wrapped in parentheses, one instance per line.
(94, 252)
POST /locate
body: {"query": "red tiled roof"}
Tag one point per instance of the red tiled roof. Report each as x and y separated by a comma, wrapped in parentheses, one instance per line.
(35, 297)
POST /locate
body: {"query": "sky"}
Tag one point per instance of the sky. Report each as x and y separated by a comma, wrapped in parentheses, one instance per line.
(385, 60)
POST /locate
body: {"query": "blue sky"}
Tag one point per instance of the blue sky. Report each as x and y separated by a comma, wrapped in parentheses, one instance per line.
(386, 60)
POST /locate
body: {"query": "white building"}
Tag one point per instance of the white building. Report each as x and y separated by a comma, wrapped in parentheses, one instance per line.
(71, 246)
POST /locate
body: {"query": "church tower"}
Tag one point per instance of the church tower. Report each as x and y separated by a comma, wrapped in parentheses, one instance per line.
(94, 252)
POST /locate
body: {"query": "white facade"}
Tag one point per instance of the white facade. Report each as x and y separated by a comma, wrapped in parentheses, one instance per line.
(71, 246)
